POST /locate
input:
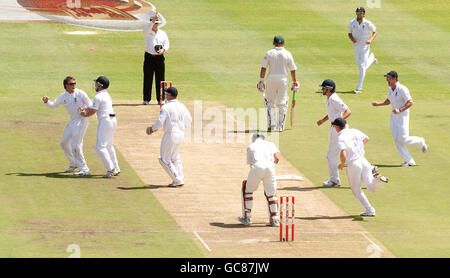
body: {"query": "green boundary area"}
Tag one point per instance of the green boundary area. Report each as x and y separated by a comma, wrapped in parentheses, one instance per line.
(215, 55)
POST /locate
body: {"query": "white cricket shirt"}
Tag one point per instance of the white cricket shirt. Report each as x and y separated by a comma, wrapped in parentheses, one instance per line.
(335, 107)
(398, 98)
(173, 116)
(103, 104)
(279, 61)
(351, 140)
(78, 99)
(152, 39)
(261, 152)
(361, 32)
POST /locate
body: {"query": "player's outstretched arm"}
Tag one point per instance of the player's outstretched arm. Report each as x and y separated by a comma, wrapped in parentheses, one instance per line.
(381, 103)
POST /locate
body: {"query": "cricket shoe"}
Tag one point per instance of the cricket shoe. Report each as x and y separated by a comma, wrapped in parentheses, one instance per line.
(370, 213)
(424, 147)
(245, 221)
(381, 178)
(145, 102)
(331, 184)
(274, 223)
(82, 173)
(357, 91)
(175, 184)
(70, 169)
(116, 172)
(374, 170)
(109, 174)
(407, 164)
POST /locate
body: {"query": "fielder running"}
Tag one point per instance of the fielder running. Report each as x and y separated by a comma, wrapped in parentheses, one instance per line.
(262, 156)
(279, 61)
(72, 139)
(401, 101)
(335, 108)
(102, 105)
(174, 118)
(351, 150)
(359, 33)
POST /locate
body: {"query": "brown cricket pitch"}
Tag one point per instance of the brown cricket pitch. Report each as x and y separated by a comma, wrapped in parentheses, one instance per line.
(208, 205)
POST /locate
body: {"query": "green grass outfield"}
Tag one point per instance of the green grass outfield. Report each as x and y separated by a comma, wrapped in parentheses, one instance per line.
(216, 52)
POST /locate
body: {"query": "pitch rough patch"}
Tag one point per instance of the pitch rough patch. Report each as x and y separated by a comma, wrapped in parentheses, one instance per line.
(208, 205)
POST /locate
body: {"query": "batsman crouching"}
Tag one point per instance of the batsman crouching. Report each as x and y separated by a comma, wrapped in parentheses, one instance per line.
(174, 118)
(262, 156)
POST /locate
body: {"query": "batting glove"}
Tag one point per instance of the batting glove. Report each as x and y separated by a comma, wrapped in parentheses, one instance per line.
(295, 86)
(260, 85)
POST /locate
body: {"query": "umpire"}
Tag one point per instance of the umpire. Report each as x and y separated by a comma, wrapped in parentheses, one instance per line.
(157, 43)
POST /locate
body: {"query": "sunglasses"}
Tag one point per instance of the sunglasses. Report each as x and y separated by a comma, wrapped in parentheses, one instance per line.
(72, 84)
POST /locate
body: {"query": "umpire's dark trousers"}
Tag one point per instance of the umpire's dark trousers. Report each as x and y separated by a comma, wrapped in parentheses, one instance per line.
(153, 64)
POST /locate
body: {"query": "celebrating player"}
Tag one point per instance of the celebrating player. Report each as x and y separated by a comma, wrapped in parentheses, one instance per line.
(72, 139)
(102, 105)
(359, 33)
(351, 150)
(174, 118)
(401, 101)
(279, 60)
(335, 108)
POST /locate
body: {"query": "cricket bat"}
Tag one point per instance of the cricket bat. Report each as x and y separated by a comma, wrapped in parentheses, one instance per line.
(293, 109)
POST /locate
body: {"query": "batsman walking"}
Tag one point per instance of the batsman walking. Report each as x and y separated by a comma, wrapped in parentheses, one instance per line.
(279, 61)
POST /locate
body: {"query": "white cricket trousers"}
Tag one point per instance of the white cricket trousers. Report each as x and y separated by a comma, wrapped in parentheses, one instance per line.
(333, 156)
(170, 153)
(400, 131)
(363, 60)
(72, 143)
(104, 145)
(361, 170)
(266, 173)
(276, 93)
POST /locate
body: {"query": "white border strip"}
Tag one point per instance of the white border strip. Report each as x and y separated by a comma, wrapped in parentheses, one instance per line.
(371, 241)
(202, 241)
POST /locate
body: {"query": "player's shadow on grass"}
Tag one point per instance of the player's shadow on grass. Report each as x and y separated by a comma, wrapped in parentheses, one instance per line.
(387, 165)
(237, 225)
(150, 186)
(325, 217)
(245, 131)
(339, 92)
(133, 104)
(56, 175)
(295, 188)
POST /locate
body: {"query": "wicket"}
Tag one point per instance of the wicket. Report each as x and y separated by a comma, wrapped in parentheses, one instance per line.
(162, 87)
(285, 200)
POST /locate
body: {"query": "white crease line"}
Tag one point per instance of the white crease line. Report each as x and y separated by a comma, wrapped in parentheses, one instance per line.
(373, 243)
(202, 241)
